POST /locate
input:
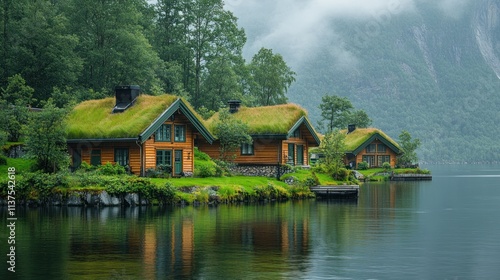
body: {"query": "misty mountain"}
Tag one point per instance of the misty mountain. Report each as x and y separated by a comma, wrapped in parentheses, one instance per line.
(429, 67)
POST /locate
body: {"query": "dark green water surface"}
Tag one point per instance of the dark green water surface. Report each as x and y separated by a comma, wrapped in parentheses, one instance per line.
(448, 228)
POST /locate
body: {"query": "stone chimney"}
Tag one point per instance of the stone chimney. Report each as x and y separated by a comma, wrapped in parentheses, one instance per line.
(351, 128)
(125, 97)
(234, 106)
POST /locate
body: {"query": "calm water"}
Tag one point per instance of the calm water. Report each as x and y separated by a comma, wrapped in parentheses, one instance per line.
(445, 229)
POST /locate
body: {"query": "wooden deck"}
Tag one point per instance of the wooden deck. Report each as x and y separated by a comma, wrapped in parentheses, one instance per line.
(411, 177)
(343, 191)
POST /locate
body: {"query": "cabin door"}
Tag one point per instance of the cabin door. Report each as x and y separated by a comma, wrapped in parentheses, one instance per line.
(77, 158)
(178, 162)
(291, 154)
(300, 155)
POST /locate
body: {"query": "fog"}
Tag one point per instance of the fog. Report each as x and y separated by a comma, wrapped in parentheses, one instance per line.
(298, 29)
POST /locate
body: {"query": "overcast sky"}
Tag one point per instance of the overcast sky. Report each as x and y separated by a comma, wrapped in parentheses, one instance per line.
(298, 28)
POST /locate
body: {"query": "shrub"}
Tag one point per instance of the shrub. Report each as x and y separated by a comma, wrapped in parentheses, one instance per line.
(363, 165)
(342, 174)
(111, 169)
(3, 160)
(204, 169)
(199, 155)
(161, 171)
(386, 166)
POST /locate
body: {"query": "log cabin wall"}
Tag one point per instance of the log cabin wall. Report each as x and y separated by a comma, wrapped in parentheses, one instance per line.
(379, 155)
(107, 153)
(151, 146)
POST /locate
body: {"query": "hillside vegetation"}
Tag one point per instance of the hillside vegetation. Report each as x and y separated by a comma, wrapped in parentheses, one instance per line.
(433, 75)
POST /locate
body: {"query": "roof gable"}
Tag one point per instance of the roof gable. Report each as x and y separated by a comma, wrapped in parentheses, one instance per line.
(277, 121)
(357, 140)
(93, 119)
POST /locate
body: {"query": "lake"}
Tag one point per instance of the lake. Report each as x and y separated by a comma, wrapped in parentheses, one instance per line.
(447, 228)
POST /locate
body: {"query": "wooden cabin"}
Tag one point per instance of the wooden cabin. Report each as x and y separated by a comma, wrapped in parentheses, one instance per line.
(142, 134)
(370, 145)
(281, 134)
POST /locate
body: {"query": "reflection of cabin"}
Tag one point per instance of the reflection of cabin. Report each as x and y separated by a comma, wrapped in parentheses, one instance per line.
(282, 134)
(370, 145)
(150, 131)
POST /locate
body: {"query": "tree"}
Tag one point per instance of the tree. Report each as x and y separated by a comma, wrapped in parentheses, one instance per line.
(408, 148)
(333, 148)
(37, 43)
(46, 140)
(335, 112)
(271, 76)
(360, 119)
(16, 99)
(231, 133)
(113, 45)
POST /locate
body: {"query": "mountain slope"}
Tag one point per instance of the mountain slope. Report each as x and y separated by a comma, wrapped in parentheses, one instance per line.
(431, 74)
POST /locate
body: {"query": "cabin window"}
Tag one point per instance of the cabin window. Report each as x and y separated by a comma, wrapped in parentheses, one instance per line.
(163, 133)
(247, 149)
(296, 133)
(382, 159)
(164, 157)
(121, 156)
(381, 148)
(371, 148)
(95, 157)
(370, 160)
(180, 133)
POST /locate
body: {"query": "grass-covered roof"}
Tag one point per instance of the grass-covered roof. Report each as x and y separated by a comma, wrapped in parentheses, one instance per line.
(358, 137)
(277, 119)
(93, 119)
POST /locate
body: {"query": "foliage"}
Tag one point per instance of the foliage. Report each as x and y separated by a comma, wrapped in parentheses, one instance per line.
(335, 111)
(160, 171)
(111, 169)
(204, 169)
(3, 160)
(231, 133)
(363, 165)
(408, 148)
(272, 78)
(45, 139)
(16, 98)
(333, 149)
(386, 166)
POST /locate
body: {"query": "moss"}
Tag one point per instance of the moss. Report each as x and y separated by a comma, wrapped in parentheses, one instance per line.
(356, 138)
(277, 119)
(93, 118)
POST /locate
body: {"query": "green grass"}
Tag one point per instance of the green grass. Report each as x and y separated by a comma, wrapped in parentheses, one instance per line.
(21, 165)
(356, 138)
(93, 118)
(242, 181)
(277, 119)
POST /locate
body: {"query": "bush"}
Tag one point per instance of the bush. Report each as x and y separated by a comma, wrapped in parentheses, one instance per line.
(363, 165)
(199, 155)
(111, 169)
(204, 169)
(161, 171)
(386, 166)
(3, 160)
(342, 174)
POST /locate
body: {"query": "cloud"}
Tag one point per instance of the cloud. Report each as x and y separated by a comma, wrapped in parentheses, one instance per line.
(298, 29)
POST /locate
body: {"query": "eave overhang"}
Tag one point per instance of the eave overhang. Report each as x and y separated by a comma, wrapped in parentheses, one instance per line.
(376, 136)
(177, 105)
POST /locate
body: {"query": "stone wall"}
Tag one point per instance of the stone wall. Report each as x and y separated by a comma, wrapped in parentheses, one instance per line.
(261, 170)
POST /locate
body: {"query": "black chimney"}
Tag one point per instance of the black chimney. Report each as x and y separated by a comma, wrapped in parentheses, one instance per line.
(234, 106)
(125, 97)
(351, 128)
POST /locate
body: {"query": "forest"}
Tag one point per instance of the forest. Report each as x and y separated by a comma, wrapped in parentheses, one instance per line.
(74, 50)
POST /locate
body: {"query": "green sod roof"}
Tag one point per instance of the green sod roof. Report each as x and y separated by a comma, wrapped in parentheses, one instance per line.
(277, 119)
(359, 138)
(93, 119)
